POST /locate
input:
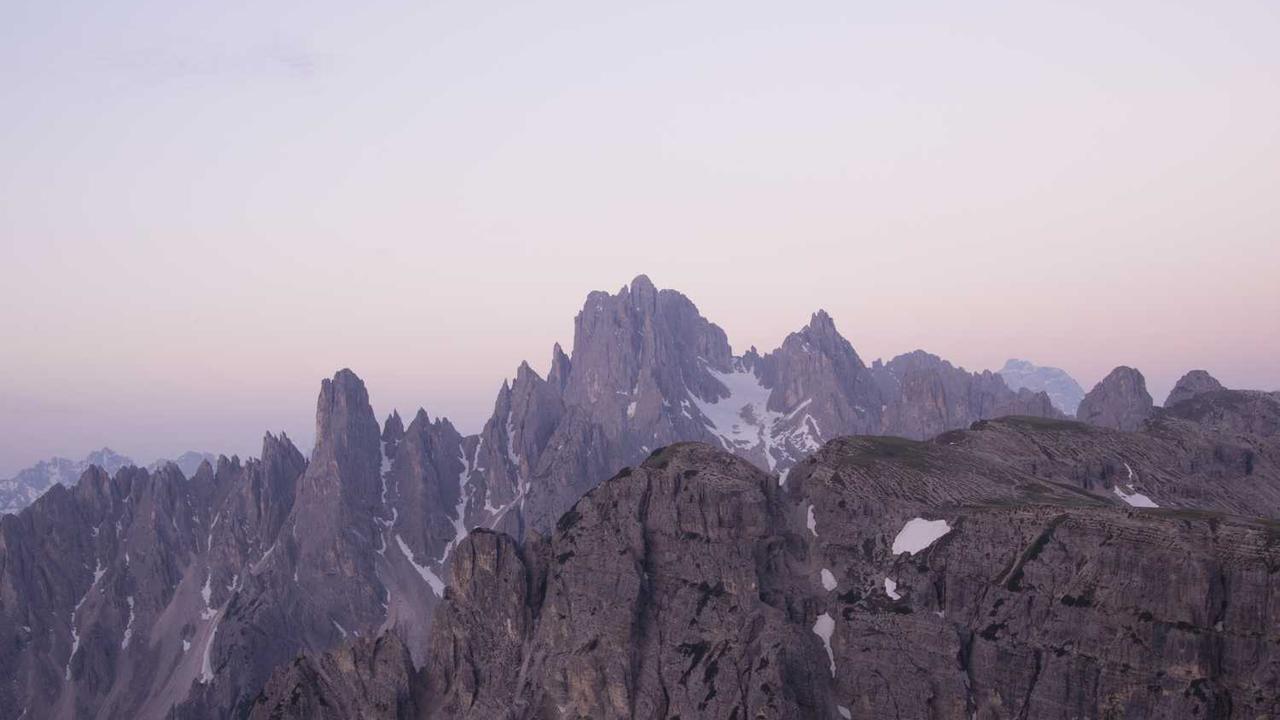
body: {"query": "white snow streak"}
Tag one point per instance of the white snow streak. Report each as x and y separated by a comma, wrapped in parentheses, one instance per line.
(812, 522)
(437, 585)
(206, 592)
(128, 628)
(208, 544)
(511, 440)
(460, 512)
(206, 666)
(98, 572)
(1131, 495)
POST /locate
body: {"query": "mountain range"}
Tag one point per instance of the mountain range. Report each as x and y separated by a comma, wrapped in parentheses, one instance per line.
(23, 488)
(663, 527)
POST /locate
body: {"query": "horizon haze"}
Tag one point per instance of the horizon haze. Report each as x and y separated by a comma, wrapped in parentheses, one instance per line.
(206, 209)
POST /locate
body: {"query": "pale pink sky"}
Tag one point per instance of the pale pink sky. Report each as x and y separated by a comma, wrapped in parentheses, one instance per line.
(205, 209)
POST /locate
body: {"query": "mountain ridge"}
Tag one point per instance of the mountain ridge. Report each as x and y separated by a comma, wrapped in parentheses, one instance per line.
(208, 585)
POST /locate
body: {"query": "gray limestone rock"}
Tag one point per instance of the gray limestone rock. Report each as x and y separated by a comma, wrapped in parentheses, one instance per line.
(969, 576)
(1120, 401)
(925, 395)
(1190, 385)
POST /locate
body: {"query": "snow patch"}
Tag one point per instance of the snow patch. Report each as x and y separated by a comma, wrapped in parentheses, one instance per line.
(208, 543)
(206, 592)
(460, 512)
(340, 628)
(812, 522)
(1134, 499)
(206, 665)
(823, 628)
(433, 580)
(891, 589)
(98, 572)
(828, 580)
(919, 534)
(844, 712)
(511, 440)
(742, 421)
(1131, 495)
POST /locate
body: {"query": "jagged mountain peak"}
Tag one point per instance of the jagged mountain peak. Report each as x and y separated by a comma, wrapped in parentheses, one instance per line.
(344, 416)
(28, 484)
(1190, 385)
(1119, 401)
(821, 322)
(642, 293)
(106, 458)
(561, 367)
(642, 283)
(279, 555)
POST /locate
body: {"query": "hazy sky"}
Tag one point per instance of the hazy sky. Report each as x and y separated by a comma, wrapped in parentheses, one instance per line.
(205, 208)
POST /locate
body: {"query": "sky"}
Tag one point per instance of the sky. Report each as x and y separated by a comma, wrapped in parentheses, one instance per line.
(206, 208)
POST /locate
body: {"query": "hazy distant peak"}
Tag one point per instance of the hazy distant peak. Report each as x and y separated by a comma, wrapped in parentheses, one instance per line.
(1062, 389)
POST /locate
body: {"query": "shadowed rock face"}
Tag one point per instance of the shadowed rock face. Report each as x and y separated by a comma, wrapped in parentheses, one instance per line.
(370, 678)
(148, 594)
(1119, 402)
(110, 587)
(1190, 385)
(693, 585)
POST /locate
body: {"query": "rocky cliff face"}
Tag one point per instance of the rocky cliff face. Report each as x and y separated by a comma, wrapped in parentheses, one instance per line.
(1194, 383)
(148, 594)
(988, 573)
(1063, 390)
(112, 587)
(212, 582)
(1120, 401)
